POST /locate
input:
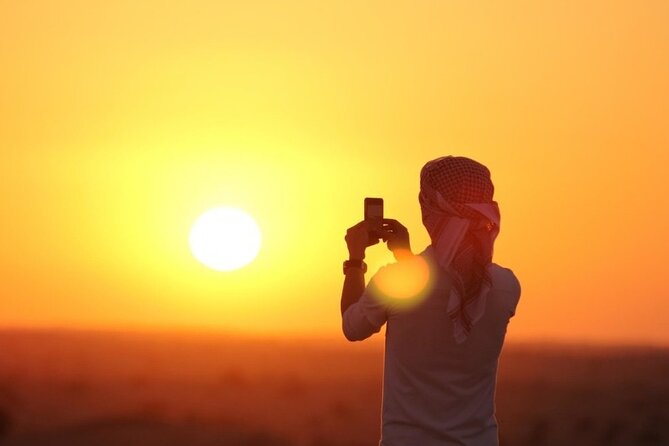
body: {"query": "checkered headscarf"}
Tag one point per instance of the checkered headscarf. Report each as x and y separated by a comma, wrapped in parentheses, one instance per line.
(463, 221)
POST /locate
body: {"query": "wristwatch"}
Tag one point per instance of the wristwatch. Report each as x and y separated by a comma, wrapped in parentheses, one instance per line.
(355, 264)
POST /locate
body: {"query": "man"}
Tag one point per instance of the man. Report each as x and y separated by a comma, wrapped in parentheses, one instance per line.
(442, 343)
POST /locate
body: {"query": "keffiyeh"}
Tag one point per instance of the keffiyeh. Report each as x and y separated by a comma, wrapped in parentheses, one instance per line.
(463, 222)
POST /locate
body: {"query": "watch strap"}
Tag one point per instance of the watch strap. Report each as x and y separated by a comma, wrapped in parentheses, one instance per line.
(359, 264)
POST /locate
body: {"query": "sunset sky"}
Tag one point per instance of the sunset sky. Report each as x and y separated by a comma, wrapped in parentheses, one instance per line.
(121, 122)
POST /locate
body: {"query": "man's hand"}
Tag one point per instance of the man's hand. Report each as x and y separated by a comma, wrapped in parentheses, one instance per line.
(397, 238)
(358, 239)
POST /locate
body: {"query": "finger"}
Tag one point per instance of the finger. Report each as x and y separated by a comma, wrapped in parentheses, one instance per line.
(361, 225)
(389, 225)
(392, 222)
(387, 229)
(388, 237)
(391, 229)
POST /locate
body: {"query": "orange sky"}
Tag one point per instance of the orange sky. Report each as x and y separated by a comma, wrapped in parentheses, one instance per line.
(121, 122)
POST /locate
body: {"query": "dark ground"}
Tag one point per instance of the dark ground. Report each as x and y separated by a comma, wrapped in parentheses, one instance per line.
(79, 388)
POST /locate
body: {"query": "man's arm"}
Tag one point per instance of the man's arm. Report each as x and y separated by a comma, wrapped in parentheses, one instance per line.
(355, 324)
(397, 237)
(357, 240)
(362, 322)
(354, 286)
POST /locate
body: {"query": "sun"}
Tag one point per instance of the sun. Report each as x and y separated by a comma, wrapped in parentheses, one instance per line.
(225, 238)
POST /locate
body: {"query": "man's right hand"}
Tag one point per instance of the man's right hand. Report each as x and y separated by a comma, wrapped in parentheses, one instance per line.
(358, 239)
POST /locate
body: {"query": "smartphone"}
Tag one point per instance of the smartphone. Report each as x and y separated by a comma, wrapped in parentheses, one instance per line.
(373, 208)
(374, 214)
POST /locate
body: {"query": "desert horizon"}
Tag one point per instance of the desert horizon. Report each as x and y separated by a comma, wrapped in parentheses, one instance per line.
(176, 388)
(328, 335)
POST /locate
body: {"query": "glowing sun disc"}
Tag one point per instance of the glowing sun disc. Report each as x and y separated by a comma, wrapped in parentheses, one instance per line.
(225, 239)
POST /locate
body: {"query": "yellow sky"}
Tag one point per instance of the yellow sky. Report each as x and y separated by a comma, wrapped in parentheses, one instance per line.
(121, 122)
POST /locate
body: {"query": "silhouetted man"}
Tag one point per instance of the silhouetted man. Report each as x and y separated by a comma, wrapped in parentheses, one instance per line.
(442, 343)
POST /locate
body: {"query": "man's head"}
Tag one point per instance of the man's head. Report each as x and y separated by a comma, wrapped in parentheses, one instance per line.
(455, 180)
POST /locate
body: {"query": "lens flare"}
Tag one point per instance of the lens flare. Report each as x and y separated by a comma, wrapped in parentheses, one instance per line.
(407, 280)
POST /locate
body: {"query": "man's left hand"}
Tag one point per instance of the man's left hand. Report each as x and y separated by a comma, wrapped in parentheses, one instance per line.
(397, 237)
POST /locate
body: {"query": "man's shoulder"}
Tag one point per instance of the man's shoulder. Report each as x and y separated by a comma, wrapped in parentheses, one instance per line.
(505, 288)
(504, 279)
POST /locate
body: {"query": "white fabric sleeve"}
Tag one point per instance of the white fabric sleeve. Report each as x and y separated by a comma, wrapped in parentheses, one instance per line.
(366, 316)
(515, 292)
(507, 285)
